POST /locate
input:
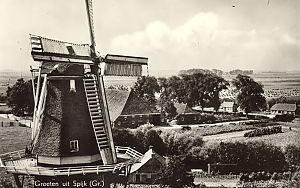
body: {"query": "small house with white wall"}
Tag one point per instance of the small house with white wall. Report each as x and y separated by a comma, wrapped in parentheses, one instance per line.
(284, 108)
(146, 171)
(229, 107)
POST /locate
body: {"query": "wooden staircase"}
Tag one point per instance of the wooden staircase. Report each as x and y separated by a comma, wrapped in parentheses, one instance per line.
(93, 101)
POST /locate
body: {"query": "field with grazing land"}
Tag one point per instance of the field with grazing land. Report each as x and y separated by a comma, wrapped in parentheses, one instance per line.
(281, 139)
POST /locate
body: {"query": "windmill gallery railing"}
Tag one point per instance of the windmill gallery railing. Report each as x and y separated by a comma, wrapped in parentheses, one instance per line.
(21, 163)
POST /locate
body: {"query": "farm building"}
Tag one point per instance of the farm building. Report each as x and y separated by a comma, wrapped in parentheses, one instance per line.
(284, 108)
(146, 170)
(128, 110)
(229, 107)
(186, 115)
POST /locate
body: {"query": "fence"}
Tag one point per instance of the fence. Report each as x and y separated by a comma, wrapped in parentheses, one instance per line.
(210, 176)
(13, 123)
(9, 123)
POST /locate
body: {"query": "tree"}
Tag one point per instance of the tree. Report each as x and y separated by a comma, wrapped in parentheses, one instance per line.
(250, 93)
(175, 174)
(146, 87)
(145, 137)
(203, 89)
(214, 85)
(124, 137)
(20, 97)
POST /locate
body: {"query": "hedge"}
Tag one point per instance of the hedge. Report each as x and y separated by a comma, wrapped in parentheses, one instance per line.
(264, 131)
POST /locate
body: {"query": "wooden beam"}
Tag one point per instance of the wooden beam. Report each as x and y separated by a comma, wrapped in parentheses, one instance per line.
(65, 77)
(64, 58)
(18, 182)
(122, 59)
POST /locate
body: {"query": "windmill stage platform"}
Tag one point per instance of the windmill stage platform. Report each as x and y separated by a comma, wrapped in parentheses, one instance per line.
(18, 162)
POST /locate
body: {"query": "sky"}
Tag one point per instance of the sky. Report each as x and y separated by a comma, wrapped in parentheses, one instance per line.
(173, 34)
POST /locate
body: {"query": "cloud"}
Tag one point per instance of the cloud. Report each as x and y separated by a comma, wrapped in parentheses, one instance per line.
(205, 41)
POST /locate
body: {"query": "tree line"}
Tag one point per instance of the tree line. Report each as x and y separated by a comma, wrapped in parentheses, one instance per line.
(199, 89)
(195, 89)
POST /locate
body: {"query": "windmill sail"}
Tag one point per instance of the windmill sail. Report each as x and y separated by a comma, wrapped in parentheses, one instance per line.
(119, 65)
(44, 49)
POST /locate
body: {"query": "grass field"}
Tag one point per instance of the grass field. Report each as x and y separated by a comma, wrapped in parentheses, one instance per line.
(281, 139)
(12, 139)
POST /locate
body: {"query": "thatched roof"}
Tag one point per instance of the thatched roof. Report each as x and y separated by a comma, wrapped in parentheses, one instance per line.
(122, 102)
(116, 100)
(66, 117)
(183, 108)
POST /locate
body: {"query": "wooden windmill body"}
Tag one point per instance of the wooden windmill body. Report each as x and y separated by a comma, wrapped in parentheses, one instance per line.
(71, 134)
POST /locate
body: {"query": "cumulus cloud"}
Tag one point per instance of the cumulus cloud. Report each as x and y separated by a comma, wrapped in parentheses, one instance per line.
(205, 41)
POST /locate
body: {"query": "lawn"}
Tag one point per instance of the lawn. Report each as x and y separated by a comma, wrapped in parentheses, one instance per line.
(12, 139)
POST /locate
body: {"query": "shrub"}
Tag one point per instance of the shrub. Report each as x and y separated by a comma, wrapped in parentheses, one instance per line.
(175, 174)
(248, 156)
(264, 131)
(292, 155)
(179, 143)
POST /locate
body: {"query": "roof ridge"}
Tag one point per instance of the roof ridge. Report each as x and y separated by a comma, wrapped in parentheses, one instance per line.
(55, 40)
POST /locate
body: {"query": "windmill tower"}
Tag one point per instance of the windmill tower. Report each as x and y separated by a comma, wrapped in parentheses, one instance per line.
(71, 135)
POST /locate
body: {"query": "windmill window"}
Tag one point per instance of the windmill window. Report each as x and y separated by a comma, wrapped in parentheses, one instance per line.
(182, 118)
(74, 146)
(71, 50)
(133, 122)
(72, 86)
(119, 122)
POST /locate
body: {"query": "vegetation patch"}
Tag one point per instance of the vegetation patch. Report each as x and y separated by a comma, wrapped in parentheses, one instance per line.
(264, 131)
(232, 127)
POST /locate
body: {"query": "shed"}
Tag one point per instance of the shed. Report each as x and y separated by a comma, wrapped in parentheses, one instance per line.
(146, 171)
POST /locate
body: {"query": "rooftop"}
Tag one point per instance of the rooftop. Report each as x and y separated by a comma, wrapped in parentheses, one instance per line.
(284, 107)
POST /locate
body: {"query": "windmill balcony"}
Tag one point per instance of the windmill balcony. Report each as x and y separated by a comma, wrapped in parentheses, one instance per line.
(18, 162)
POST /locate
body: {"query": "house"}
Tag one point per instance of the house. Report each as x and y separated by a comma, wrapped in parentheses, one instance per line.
(146, 171)
(129, 111)
(284, 108)
(229, 107)
(186, 115)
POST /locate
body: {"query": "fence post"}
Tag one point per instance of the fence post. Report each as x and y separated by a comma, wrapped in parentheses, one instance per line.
(208, 168)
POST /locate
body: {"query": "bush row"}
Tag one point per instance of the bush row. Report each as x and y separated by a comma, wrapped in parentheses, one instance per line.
(264, 131)
(245, 156)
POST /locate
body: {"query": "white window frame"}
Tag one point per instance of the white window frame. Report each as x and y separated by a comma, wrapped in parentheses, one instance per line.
(74, 146)
(72, 86)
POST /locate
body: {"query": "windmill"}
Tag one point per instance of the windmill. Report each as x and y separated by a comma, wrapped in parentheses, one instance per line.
(71, 133)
